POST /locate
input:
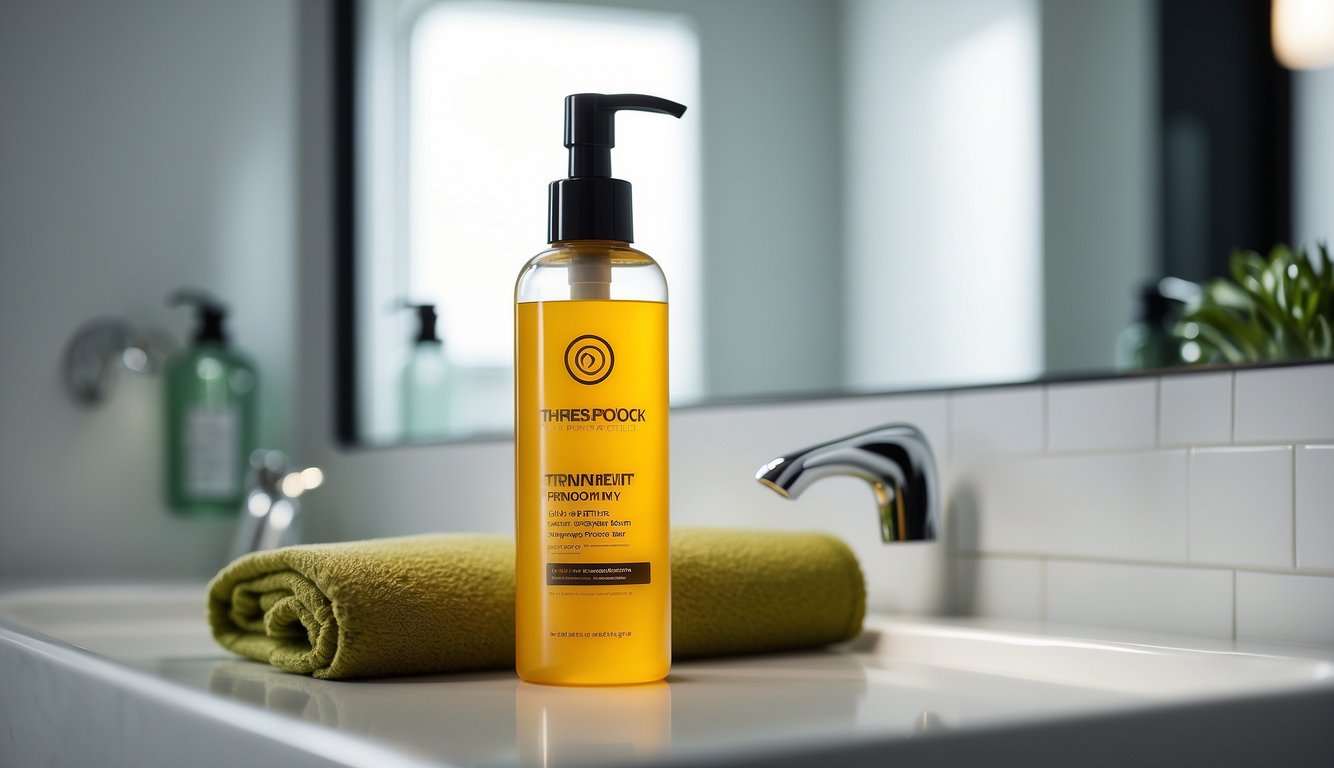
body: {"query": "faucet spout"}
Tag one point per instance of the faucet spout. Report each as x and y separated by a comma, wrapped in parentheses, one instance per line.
(895, 459)
(272, 516)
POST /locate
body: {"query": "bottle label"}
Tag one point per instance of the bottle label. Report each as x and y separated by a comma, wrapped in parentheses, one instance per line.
(591, 462)
(211, 438)
(599, 574)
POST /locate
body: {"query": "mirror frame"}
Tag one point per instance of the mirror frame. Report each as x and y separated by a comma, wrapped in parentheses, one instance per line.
(343, 65)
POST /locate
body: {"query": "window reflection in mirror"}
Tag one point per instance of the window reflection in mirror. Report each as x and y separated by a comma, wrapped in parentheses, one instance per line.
(468, 111)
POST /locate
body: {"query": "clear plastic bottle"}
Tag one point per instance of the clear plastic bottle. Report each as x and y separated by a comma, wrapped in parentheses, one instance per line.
(593, 582)
(427, 383)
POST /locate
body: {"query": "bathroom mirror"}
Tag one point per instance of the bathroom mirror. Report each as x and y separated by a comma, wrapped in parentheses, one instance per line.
(865, 195)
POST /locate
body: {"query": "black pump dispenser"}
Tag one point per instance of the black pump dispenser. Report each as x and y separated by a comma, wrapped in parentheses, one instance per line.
(426, 318)
(211, 313)
(590, 204)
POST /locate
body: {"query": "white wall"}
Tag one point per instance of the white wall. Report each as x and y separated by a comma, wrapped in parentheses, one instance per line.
(1099, 185)
(772, 154)
(943, 193)
(144, 145)
(1313, 156)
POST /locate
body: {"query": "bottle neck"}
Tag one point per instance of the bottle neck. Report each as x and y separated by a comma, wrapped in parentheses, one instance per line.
(590, 276)
(608, 244)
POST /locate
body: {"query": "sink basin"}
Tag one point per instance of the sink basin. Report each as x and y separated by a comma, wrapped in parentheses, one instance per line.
(135, 668)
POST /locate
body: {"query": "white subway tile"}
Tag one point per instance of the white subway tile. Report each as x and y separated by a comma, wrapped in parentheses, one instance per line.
(1102, 415)
(716, 452)
(1130, 506)
(1195, 409)
(906, 577)
(1285, 608)
(996, 587)
(997, 422)
(1241, 506)
(1315, 506)
(1191, 601)
(1283, 404)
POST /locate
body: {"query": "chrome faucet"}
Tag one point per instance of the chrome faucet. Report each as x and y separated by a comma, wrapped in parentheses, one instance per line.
(895, 459)
(272, 515)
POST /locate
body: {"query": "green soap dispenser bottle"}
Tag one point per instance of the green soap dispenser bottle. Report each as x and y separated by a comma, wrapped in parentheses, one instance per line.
(211, 398)
(427, 382)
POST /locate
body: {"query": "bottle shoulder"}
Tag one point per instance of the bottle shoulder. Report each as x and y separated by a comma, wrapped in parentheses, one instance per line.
(210, 360)
(568, 254)
(424, 355)
(591, 269)
(217, 350)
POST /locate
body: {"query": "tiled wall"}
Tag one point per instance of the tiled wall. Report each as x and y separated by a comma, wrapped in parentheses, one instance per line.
(1198, 503)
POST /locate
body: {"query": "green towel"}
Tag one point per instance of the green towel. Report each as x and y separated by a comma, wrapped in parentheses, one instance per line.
(445, 602)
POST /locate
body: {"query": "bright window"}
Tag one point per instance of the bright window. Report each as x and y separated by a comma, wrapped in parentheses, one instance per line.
(485, 88)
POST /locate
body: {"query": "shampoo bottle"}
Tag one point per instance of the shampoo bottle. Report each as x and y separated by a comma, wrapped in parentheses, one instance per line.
(211, 398)
(593, 587)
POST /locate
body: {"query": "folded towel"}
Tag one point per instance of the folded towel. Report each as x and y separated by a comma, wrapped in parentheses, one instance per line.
(445, 602)
(737, 591)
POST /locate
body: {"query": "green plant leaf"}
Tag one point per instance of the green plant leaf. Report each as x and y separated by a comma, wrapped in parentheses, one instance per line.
(1322, 338)
(1273, 308)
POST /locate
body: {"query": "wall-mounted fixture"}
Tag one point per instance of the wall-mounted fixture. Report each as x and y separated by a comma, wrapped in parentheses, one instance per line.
(895, 459)
(103, 346)
(1303, 32)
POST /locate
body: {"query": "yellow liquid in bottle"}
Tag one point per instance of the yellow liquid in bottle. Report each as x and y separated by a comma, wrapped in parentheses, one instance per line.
(591, 511)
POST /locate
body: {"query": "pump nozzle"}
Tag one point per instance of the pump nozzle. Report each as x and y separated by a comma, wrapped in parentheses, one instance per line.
(426, 318)
(211, 312)
(590, 205)
(590, 126)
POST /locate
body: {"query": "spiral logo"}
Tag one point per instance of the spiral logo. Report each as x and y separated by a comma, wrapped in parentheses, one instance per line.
(589, 359)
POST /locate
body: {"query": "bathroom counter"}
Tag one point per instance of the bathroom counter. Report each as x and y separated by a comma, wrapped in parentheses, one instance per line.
(130, 676)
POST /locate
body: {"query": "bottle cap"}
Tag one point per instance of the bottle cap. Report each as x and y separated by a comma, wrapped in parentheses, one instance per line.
(590, 204)
(426, 318)
(211, 312)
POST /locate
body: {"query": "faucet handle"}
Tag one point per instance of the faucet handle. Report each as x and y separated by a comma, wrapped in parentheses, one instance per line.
(895, 459)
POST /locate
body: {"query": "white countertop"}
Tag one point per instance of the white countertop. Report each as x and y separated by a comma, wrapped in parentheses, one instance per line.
(903, 682)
